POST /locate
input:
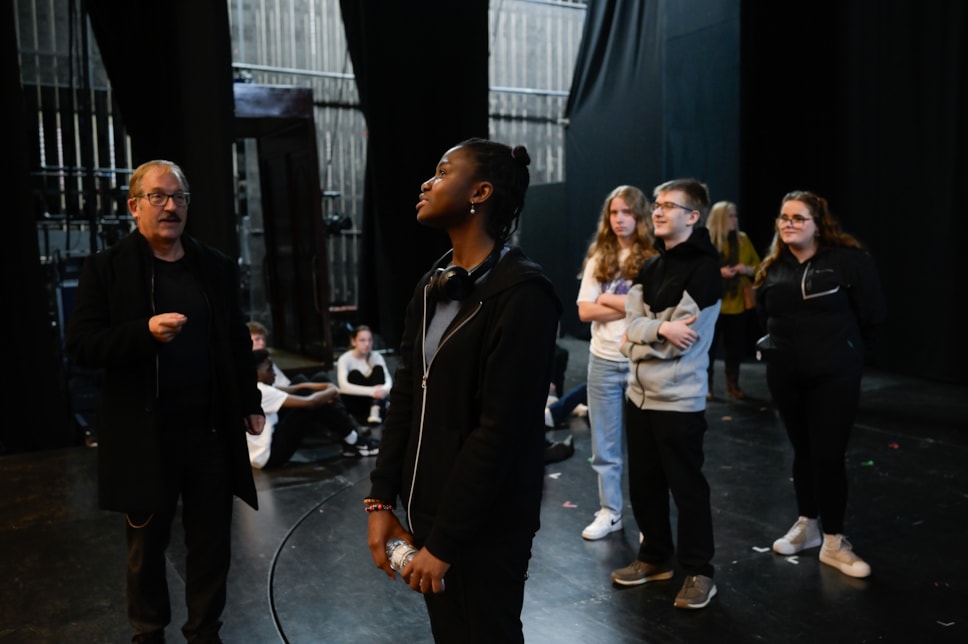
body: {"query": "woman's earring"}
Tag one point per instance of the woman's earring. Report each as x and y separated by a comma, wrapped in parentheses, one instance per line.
(472, 208)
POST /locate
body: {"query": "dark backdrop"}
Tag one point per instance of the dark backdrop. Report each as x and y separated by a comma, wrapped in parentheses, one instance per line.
(866, 103)
(35, 389)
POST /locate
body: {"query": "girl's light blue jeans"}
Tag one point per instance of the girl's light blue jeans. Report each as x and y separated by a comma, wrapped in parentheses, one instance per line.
(607, 380)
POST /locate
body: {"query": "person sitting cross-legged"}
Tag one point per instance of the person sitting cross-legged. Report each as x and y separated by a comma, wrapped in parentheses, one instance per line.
(363, 377)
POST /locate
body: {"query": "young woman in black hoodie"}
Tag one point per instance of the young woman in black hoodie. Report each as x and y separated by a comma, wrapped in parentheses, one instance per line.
(819, 298)
(462, 449)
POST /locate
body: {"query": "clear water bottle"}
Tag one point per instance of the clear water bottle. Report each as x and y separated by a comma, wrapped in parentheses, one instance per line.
(399, 552)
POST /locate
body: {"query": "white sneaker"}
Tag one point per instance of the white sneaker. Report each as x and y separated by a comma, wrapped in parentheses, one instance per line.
(374, 418)
(606, 522)
(838, 553)
(580, 410)
(802, 535)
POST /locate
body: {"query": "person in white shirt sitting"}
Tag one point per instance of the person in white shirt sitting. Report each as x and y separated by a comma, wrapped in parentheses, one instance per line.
(291, 416)
(363, 377)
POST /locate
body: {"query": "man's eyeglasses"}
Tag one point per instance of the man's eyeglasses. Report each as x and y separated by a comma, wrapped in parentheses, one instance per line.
(160, 199)
(797, 221)
(669, 205)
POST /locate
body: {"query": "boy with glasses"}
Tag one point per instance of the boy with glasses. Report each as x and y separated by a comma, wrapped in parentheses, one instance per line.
(671, 311)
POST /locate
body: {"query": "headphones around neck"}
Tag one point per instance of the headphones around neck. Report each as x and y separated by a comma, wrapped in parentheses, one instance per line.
(455, 283)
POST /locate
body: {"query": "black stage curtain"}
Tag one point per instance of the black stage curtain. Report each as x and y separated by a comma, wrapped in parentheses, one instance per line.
(866, 103)
(33, 387)
(170, 67)
(421, 70)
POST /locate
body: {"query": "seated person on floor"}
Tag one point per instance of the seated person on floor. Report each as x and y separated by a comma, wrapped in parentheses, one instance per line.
(556, 416)
(363, 377)
(291, 416)
(575, 401)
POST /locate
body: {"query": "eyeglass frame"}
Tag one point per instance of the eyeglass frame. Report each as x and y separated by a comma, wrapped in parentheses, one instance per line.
(796, 221)
(668, 205)
(173, 197)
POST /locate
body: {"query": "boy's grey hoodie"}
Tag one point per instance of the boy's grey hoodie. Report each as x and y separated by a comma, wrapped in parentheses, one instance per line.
(673, 285)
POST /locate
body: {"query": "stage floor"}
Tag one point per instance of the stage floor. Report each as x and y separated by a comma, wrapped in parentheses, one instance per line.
(302, 573)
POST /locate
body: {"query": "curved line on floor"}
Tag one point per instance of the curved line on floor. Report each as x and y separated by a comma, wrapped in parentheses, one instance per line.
(277, 553)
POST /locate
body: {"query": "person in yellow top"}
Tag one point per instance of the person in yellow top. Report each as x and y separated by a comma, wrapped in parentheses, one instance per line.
(739, 261)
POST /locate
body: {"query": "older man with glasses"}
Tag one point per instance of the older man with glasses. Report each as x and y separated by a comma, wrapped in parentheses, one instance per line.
(159, 313)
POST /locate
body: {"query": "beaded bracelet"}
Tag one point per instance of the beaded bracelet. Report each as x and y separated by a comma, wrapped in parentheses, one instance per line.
(376, 507)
